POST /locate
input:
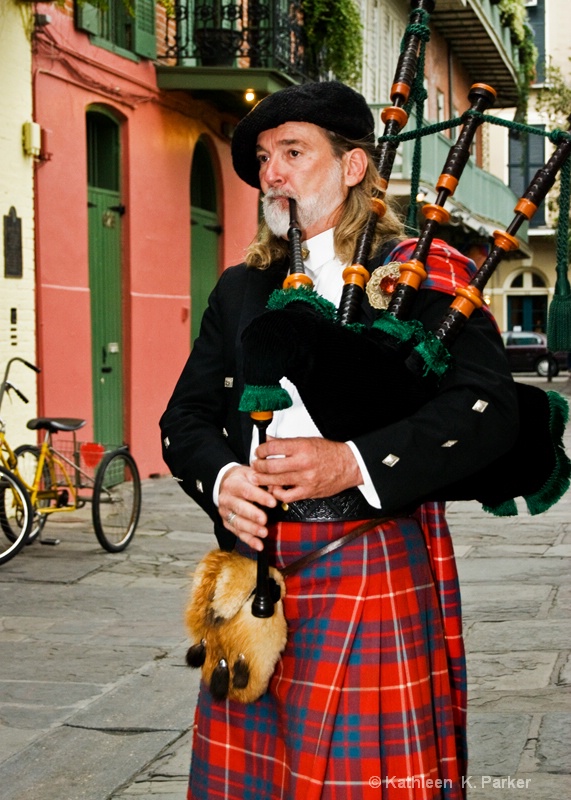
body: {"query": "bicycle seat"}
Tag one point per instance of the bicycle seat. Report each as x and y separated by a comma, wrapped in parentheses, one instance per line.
(55, 424)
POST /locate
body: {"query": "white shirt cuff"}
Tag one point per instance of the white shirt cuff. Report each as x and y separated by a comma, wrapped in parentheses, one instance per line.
(221, 474)
(366, 488)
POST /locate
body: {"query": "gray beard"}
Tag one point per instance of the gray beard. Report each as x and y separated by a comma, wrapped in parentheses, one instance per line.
(309, 210)
(277, 219)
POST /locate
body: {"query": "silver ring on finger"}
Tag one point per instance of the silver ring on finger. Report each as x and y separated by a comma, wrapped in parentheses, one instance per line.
(231, 517)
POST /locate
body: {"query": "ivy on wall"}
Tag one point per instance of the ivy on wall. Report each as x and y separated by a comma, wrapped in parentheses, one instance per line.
(513, 15)
(334, 36)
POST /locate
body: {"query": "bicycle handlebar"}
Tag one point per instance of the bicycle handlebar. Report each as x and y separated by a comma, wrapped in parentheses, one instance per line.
(30, 365)
(6, 385)
(21, 395)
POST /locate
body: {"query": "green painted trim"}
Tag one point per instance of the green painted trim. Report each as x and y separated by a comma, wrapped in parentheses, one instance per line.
(236, 79)
(105, 44)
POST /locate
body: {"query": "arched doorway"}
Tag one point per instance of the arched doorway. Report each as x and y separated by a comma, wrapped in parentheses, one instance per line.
(527, 300)
(105, 278)
(204, 234)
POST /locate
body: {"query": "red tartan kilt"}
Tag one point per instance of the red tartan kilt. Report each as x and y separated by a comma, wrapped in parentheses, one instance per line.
(361, 704)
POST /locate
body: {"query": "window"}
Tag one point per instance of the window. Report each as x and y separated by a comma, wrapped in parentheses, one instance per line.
(440, 109)
(122, 25)
(203, 180)
(383, 28)
(528, 280)
(526, 156)
(102, 151)
(536, 17)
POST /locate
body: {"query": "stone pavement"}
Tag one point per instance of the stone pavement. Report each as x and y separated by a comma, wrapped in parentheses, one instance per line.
(97, 704)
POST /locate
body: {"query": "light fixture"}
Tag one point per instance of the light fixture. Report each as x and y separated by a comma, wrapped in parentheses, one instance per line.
(31, 138)
(249, 95)
(41, 20)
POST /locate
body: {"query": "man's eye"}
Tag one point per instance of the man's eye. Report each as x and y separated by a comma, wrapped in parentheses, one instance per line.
(294, 153)
(262, 158)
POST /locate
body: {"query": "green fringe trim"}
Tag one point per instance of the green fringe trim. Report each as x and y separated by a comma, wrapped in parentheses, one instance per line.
(560, 479)
(356, 327)
(436, 357)
(559, 323)
(403, 330)
(264, 398)
(507, 509)
(280, 298)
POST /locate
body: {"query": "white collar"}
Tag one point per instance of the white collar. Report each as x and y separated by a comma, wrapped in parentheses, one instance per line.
(321, 250)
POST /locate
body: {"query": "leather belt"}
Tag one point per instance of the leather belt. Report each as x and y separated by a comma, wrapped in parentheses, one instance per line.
(345, 506)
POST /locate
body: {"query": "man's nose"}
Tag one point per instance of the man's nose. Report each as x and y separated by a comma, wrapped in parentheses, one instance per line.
(273, 173)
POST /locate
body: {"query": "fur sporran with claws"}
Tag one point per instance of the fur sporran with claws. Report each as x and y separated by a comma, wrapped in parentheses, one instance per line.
(237, 651)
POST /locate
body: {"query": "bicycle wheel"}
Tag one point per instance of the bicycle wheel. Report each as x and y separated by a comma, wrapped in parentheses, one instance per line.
(116, 500)
(15, 515)
(28, 455)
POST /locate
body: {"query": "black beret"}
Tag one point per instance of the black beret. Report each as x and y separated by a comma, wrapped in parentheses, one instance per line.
(330, 104)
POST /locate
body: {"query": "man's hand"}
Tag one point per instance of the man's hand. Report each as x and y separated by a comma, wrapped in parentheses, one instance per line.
(239, 492)
(308, 468)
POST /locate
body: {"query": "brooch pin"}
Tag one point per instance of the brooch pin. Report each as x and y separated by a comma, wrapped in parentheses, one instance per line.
(382, 284)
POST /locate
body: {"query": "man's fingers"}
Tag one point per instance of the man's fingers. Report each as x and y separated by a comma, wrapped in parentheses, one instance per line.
(242, 509)
(311, 467)
(240, 484)
(239, 504)
(247, 523)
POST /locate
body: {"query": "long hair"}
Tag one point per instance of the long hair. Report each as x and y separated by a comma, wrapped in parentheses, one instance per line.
(267, 247)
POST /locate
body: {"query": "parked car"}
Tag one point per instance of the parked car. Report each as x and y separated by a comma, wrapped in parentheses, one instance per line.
(528, 352)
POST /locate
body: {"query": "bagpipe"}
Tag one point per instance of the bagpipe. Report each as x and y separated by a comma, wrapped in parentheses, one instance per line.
(304, 338)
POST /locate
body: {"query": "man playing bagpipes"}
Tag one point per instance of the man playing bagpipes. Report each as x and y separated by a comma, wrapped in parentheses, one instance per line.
(368, 699)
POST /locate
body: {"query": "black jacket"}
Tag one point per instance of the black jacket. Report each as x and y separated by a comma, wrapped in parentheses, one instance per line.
(202, 429)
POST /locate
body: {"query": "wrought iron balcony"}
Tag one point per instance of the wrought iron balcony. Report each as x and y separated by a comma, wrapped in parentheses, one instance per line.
(264, 34)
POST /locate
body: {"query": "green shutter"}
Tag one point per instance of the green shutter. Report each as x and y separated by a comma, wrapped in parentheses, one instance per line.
(87, 18)
(145, 38)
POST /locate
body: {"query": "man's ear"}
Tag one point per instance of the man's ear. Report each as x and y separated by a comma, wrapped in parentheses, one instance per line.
(355, 163)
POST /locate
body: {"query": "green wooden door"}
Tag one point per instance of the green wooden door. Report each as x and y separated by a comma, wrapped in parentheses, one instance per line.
(204, 263)
(205, 235)
(105, 211)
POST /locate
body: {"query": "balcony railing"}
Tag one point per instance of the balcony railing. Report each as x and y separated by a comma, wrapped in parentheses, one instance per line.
(255, 33)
